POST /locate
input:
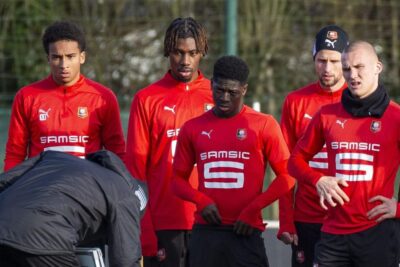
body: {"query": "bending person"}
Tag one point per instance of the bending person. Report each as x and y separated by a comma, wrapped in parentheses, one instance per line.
(48, 208)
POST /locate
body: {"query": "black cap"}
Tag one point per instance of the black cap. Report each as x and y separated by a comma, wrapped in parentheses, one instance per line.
(331, 37)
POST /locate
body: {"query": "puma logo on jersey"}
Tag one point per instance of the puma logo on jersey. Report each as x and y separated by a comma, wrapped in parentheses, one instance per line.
(307, 116)
(43, 114)
(207, 133)
(341, 123)
(170, 109)
(330, 43)
(208, 106)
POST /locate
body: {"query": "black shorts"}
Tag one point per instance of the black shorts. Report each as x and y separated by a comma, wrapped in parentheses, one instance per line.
(217, 246)
(174, 249)
(10, 257)
(309, 234)
(376, 246)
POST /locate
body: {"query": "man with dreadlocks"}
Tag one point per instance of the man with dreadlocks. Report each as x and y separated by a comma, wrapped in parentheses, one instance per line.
(156, 116)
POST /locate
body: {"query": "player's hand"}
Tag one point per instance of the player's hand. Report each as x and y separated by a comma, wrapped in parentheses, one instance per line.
(211, 214)
(386, 210)
(242, 228)
(329, 190)
(289, 238)
(161, 254)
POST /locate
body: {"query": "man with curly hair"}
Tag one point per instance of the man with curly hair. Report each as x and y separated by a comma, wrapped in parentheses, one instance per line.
(231, 146)
(66, 111)
(157, 114)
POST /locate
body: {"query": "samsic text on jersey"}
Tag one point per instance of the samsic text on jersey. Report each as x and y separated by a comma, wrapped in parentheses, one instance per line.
(77, 119)
(231, 156)
(363, 151)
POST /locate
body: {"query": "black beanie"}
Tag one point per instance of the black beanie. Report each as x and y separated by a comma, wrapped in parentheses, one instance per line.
(331, 37)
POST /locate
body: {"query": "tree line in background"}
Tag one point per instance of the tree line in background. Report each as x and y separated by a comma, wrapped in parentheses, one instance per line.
(125, 40)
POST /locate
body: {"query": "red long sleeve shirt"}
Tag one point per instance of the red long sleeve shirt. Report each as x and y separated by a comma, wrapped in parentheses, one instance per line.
(231, 156)
(77, 119)
(297, 111)
(157, 114)
(363, 151)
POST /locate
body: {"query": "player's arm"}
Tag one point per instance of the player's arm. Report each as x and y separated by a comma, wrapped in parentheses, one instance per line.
(328, 187)
(136, 160)
(388, 207)
(276, 152)
(184, 161)
(287, 230)
(308, 145)
(18, 133)
(182, 188)
(288, 123)
(112, 135)
(138, 140)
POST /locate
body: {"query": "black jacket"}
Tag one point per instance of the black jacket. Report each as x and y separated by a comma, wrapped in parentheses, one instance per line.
(54, 202)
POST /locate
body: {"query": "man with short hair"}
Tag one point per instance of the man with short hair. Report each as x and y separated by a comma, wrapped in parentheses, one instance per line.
(231, 146)
(357, 191)
(300, 215)
(157, 114)
(66, 111)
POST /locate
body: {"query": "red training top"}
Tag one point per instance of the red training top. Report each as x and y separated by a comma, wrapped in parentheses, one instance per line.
(363, 151)
(297, 111)
(231, 156)
(77, 119)
(157, 114)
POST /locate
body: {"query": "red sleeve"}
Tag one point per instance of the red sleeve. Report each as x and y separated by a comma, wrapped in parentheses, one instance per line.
(276, 152)
(286, 214)
(137, 151)
(286, 202)
(112, 135)
(397, 216)
(137, 144)
(288, 124)
(18, 133)
(308, 145)
(148, 238)
(184, 161)
(279, 186)
(274, 147)
(182, 188)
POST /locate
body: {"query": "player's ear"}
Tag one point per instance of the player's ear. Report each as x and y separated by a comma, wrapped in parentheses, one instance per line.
(379, 67)
(244, 89)
(82, 57)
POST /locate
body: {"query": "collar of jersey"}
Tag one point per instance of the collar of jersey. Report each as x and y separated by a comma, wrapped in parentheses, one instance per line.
(67, 89)
(322, 91)
(181, 85)
(243, 110)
